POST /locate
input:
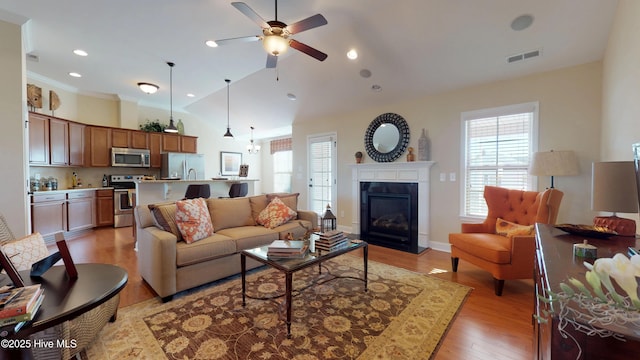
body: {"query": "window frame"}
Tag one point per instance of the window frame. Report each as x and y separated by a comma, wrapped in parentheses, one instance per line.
(529, 107)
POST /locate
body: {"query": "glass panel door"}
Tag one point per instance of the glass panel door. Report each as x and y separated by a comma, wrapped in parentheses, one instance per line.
(322, 173)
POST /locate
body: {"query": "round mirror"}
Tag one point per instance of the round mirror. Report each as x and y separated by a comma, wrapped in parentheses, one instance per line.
(386, 137)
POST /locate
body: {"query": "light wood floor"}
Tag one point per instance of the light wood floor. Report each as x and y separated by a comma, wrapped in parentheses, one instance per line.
(487, 327)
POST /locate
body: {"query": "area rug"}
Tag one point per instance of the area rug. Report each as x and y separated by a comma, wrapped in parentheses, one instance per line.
(403, 315)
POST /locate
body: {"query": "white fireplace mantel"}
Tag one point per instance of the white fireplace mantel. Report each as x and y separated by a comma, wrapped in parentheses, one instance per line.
(406, 172)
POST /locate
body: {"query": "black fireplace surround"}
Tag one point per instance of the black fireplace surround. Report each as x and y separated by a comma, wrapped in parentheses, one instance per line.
(389, 215)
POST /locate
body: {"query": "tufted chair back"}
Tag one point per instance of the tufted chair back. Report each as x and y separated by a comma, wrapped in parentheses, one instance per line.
(520, 207)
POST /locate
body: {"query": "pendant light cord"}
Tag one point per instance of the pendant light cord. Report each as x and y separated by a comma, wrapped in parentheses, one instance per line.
(228, 81)
(170, 90)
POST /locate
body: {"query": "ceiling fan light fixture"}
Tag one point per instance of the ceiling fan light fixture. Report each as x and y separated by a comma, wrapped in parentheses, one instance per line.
(275, 44)
(148, 88)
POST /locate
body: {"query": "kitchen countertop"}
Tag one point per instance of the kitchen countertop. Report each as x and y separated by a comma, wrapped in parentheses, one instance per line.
(64, 191)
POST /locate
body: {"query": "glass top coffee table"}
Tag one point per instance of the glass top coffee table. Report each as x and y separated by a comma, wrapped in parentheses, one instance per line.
(290, 266)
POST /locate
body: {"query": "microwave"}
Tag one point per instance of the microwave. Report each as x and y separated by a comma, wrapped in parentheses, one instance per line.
(124, 157)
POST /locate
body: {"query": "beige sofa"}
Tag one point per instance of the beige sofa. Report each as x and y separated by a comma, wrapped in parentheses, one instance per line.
(170, 265)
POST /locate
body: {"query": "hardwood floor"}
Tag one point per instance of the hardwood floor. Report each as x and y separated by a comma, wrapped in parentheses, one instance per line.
(487, 326)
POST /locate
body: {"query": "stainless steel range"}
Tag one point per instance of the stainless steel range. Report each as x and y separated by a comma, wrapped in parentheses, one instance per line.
(123, 198)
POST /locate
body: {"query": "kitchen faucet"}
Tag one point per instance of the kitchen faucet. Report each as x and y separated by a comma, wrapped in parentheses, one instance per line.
(195, 172)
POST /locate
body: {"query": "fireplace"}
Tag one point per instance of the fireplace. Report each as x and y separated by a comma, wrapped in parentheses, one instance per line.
(389, 215)
(416, 173)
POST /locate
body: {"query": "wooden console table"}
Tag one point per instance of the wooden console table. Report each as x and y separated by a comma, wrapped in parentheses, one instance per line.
(554, 264)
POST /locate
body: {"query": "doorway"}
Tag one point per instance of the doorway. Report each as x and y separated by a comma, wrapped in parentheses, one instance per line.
(322, 172)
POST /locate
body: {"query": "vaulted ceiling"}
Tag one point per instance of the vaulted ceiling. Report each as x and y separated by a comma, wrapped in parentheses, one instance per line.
(411, 48)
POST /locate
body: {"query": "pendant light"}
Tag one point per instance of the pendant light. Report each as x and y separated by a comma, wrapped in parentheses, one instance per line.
(171, 128)
(228, 133)
(252, 148)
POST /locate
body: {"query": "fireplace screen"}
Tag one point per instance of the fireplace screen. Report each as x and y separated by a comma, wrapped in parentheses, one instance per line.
(389, 214)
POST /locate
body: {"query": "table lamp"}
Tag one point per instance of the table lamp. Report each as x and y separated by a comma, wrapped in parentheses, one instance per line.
(554, 163)
(613, 188)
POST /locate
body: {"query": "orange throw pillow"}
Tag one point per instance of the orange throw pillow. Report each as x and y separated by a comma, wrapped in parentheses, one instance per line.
(275, 214)
(509, 229)
(193, 219)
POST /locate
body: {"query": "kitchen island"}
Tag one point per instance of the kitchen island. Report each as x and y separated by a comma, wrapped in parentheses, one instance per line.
(154, 191)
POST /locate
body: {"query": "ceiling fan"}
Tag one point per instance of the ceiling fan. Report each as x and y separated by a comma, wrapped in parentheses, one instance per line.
(276, 35)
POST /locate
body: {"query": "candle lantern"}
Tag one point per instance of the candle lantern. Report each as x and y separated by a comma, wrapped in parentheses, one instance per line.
(328, 221)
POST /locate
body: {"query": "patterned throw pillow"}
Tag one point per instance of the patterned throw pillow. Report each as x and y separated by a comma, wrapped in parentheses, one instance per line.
(275, 214)
(25, 251)
(193, 219)
(509, 229)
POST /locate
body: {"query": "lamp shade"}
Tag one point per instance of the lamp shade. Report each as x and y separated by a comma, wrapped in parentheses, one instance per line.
(613, 187)
(275, 44)
(554, 163)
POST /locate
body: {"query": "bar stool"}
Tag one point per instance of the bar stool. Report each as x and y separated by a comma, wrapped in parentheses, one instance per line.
(195, 191)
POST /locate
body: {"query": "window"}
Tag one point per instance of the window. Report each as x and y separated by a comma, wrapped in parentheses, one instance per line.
(282, 171)
(498, 144)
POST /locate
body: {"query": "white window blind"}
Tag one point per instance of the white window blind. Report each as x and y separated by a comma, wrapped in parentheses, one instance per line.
(282, 170)
(498, 144)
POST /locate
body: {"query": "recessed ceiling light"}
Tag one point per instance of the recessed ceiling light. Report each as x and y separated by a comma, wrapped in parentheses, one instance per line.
(291, 97)
(211, 43)
(376, 88)
(75, 74)
(190, 95)
(352, 54)
(365, 73)
(80, 52)
(522, 22)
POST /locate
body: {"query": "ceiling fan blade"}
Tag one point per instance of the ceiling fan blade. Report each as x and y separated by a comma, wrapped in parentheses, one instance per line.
(238, 39)
(319, 55)
(272, 61)
(306, 24)
(248, 12)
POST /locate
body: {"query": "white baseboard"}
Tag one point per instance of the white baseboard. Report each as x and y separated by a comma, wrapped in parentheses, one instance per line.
(440, 246)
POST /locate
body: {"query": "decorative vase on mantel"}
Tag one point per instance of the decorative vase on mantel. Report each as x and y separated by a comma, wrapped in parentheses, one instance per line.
(423, 146)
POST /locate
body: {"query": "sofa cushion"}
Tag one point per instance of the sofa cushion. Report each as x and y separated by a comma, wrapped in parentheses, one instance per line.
(490, 247)
(258, 203)
(275, 214)
(289, 199)
(248, 237)
(193, 219)
(230, 212)
(212, 247)
(25, 251)
(164, 216)
(510, 229)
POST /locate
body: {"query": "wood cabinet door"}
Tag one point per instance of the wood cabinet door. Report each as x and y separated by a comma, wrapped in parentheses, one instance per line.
(38, 140)
(81, 213)
(104, 207)
(139, 140)
(59, 142)
(189, 144)
(155, 148)
(97, 146)
(76, 144)
(120, 138)
(170, 143)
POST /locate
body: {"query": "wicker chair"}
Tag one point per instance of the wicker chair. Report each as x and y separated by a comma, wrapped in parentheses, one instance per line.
(83, 328)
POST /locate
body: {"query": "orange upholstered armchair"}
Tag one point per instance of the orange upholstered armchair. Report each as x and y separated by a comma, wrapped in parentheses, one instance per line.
(510, 254)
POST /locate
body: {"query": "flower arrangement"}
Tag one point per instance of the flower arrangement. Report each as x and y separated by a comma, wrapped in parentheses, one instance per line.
(600, 304)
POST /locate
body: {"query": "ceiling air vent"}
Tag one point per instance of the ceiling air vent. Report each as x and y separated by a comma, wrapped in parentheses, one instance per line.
(524, 56)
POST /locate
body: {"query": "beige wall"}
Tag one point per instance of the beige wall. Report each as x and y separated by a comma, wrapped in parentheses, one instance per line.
(621, 86)
(569, 106)
(13, 113)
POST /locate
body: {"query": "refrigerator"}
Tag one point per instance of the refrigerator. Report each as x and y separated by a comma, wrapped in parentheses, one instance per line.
(182, 166)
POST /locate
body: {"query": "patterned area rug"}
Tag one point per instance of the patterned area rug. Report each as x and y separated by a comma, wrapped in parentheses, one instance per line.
(404, 315)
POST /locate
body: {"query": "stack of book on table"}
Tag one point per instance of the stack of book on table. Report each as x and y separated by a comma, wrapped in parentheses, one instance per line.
(287, 249)
(19, 305)
(331, 240)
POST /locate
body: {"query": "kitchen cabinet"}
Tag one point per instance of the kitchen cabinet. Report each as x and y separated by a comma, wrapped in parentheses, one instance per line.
(48, 213)
(155, 149)
(97, 146)
(120, 138)
(188, 144)
(76, 144)
(81, 210)
(58, 142)
(38, 139)
(104, 207)
(170, 143)
(139, 139)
